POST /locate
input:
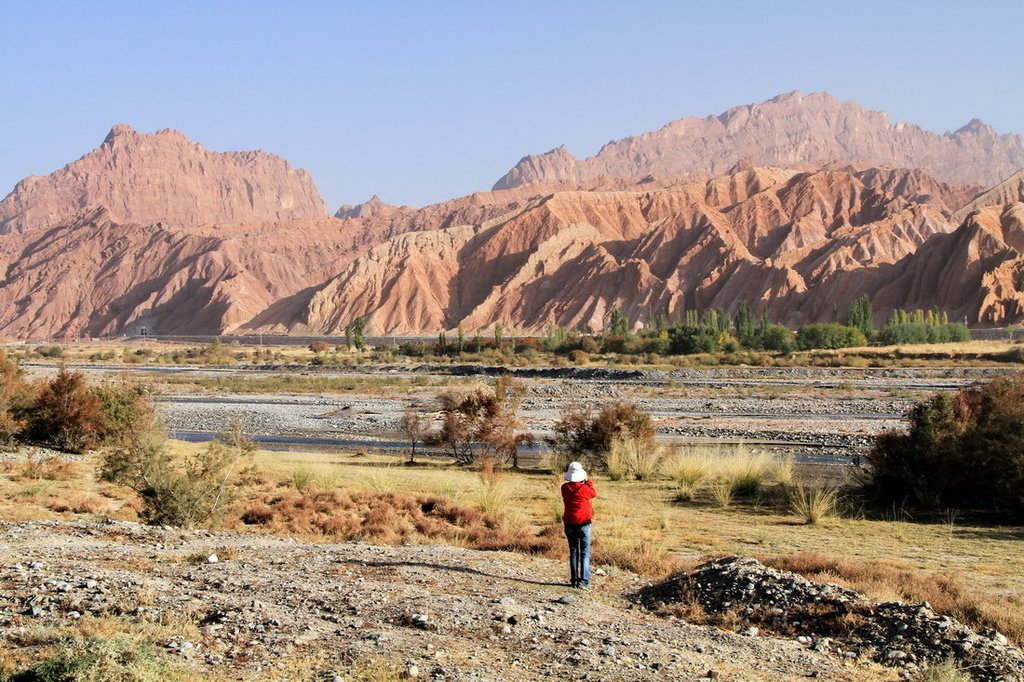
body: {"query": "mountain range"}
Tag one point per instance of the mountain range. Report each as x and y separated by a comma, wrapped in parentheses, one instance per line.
(797, 206)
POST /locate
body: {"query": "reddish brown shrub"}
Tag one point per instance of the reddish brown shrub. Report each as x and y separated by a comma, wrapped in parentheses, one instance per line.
(259, 514)
(66, 415)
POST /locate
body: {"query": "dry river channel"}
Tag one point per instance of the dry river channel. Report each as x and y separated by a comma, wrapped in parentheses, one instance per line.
(820, 415)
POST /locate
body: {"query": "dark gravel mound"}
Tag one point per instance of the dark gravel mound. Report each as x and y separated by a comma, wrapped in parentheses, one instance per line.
(831, 618)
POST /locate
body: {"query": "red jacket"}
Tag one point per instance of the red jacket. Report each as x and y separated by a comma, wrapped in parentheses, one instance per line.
(577, 497)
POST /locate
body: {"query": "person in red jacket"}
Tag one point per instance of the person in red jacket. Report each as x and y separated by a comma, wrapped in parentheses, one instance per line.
(577, 492)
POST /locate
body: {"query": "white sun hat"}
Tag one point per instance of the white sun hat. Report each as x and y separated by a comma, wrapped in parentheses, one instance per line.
(575, 473)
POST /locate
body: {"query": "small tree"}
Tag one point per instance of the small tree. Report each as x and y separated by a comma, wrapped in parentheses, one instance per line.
(502, 429)
(359, 334)
(461, 414)
(743, 323)
(860, 315)
(830, 336)
(483, 423)
(416, 427)
(619, 323)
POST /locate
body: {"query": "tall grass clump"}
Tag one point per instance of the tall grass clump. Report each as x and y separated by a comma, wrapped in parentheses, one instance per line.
(721, 490)
(688, 468)
(947, 671)
(383, 479)
(616, 464)
(744, 470)
(493, 496)
(813, 504)
(302, 478)
(783, 471)
(647, 461)
(639, 556)
(633, 458)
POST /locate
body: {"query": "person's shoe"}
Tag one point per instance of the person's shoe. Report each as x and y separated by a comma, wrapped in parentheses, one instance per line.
(583, 585)
(574, 584)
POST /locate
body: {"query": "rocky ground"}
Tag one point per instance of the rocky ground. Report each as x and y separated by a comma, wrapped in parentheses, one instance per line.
(436, 612)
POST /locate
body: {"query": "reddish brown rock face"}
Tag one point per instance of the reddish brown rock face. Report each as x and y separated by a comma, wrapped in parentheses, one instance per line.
(778, 239)
(164, 178)
(154, 231)
(791, 130)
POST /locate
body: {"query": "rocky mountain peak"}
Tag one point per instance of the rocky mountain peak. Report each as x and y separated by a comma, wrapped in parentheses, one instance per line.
(976, 127)
(790, 130)
(146, 178)
(371, 207)
(118, 130)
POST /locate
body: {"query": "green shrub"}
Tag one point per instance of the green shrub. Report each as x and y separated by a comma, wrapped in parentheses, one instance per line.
(15, 399)
(95, 659)
(775, 337)
(693, 340)
(128, 414)
(179, 491)
(961, 450)
(829, 336)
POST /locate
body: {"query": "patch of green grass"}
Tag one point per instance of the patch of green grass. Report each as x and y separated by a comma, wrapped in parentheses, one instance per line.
(97, 659)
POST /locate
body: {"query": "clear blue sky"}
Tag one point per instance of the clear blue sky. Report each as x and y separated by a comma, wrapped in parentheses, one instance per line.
(422, 101)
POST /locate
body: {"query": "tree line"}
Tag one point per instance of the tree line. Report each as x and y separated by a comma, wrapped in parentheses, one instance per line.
(712, 331)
